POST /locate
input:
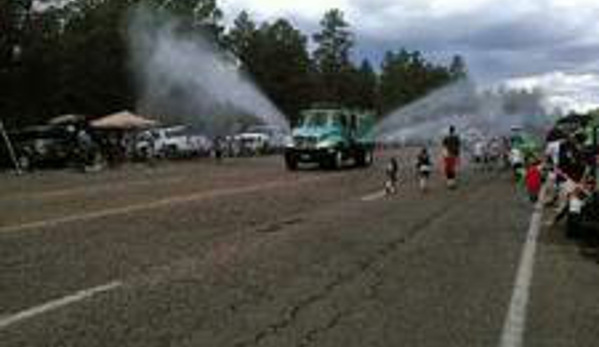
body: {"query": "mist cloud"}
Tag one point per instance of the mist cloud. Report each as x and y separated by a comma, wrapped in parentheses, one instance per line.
(184, 78)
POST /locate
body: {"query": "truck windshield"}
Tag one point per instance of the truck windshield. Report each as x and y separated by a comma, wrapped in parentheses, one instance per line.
(315, 119)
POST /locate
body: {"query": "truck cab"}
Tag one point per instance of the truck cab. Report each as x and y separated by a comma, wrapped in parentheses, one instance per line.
(331, 137)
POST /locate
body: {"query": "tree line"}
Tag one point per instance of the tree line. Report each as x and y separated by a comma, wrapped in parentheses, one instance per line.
(58, 58)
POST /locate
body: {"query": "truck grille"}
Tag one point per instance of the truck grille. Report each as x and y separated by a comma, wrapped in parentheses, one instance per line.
(305, 142)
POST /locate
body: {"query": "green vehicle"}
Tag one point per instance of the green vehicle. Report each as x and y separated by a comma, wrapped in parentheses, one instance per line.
(331, 137)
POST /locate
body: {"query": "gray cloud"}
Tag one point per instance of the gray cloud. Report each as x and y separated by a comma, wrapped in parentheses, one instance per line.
(500, 40)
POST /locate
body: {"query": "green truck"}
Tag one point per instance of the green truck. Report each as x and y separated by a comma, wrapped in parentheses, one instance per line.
(331, 137)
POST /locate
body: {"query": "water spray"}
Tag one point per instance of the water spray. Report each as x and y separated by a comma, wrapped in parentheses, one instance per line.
(184, 78)
(460, 104)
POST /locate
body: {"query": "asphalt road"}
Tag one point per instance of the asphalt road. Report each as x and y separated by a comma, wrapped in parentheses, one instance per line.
(247, 254)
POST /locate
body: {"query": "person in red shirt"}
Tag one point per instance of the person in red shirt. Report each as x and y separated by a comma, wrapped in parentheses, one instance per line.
(451, 157)
(534, 180)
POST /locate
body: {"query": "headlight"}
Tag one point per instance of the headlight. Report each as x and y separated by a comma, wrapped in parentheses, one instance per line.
(324, 144)
(288, 142)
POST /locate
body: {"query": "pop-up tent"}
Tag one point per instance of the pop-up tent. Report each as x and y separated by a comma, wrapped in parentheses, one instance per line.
(124, 120)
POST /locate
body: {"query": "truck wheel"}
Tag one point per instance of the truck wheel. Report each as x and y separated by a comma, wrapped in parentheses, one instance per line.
(291, 162)
(369, 158)
(336, 160)
(364, 158)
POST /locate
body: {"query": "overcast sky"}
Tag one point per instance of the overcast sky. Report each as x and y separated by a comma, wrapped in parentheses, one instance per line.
(548, 43)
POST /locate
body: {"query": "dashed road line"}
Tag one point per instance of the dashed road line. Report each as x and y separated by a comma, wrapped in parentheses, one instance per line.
(374, 196)
(57, 193)
(129, 209)
(515, 323)
(12, 319)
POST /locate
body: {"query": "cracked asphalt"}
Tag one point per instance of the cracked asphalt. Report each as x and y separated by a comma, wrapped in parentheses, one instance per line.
(244, 254)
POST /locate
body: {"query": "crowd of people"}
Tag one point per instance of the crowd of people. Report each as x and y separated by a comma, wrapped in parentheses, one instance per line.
(570, 163)
(451, 151)
(450, 161)
(566, 162)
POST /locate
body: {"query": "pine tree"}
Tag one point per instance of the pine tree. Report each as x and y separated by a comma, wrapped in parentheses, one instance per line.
(332, 55)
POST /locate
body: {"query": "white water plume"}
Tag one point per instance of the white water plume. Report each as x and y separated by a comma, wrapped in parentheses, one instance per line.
(488, 113)
(184, 78)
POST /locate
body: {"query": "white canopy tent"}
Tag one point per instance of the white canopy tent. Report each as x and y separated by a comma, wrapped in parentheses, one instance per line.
(123, 120)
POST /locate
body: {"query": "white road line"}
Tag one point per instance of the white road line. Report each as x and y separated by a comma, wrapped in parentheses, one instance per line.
(148, 206)
(515, 322)
(374, 196)
(90, 189)
(7, 321)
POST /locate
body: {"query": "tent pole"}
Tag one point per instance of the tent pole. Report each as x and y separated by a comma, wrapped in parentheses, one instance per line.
(11, 150)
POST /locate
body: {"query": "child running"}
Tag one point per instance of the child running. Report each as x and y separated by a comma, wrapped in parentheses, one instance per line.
(392, 177)
(424, 168)
(534, 180)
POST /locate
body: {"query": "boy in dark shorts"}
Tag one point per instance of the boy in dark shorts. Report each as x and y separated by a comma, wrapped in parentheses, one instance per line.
(424, 168)
(392, 176)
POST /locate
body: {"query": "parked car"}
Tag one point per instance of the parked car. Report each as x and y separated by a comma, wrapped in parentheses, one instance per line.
(56, 146)
(173, 142)
(263, 139)
(43, 146)
(251, 143)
